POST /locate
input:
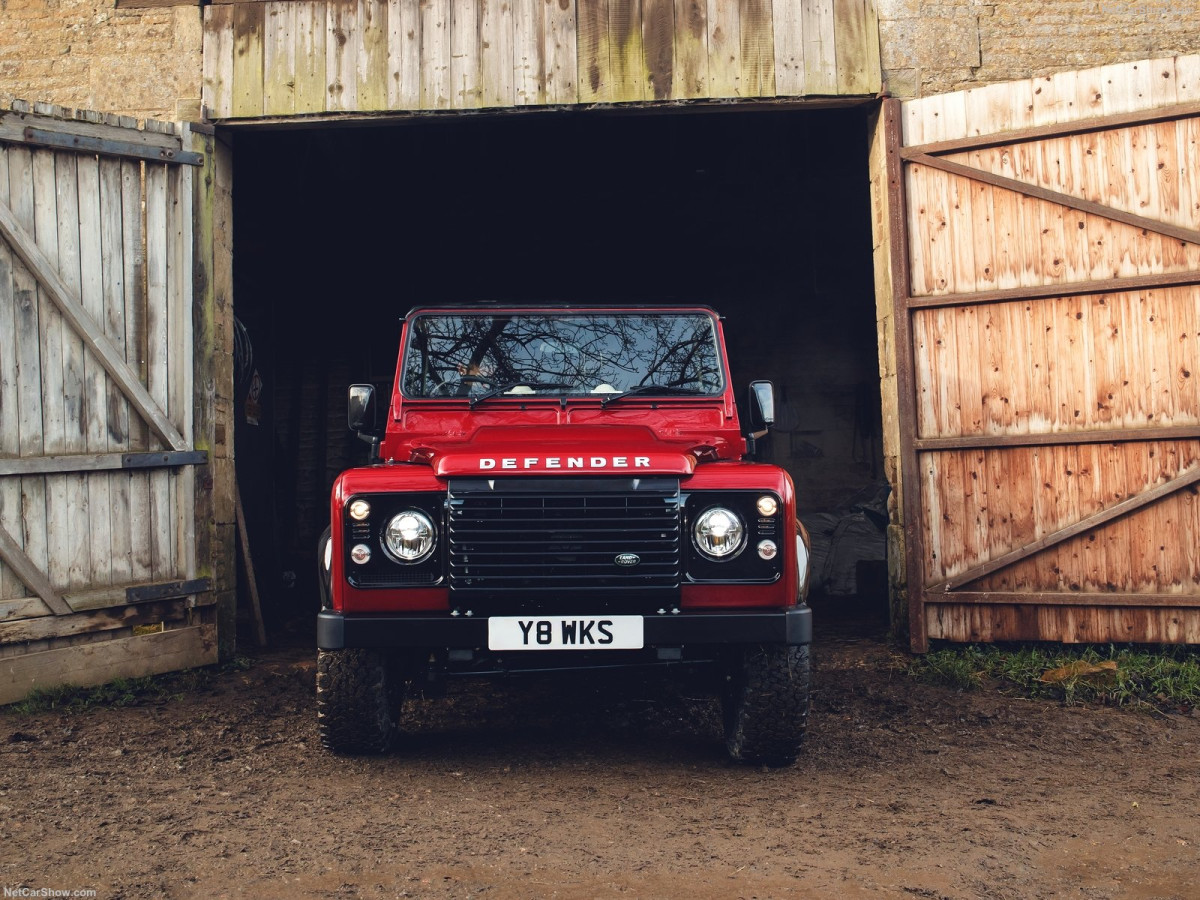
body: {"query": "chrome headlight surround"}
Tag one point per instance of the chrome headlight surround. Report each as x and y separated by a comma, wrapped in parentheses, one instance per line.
(719, 534)
(409, 537)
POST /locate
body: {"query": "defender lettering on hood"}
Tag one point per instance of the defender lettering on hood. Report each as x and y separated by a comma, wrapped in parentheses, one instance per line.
(564, 462)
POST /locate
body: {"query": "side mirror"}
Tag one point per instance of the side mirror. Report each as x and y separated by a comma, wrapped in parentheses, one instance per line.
(761, 407)
(360, 408)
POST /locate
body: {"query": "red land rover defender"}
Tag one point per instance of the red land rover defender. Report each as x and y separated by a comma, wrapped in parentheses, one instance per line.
(563, 487)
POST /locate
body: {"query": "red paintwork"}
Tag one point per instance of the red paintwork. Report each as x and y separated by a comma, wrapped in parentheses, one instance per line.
(697, 439)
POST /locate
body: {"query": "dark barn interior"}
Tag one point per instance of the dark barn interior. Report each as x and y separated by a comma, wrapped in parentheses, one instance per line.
(339, 230)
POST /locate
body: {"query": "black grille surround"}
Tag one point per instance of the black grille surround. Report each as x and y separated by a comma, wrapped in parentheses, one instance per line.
(532, 540)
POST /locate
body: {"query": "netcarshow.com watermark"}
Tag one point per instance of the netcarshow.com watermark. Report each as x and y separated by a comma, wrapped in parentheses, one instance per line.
(47, 892)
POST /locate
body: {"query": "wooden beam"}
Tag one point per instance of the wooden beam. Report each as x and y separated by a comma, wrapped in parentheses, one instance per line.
(108, 619)
(1178, 232)
(1071, 289)
(99, 462)
(14, 557)
(96, 663)
(1128, 505)
(16, 126)
(1106, 436)
(40, 137)
(91, 333)
(1079, 598)
(1056, 130)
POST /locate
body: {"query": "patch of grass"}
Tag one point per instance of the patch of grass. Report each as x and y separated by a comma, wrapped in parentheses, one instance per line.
(1165, 678)
(126, 691)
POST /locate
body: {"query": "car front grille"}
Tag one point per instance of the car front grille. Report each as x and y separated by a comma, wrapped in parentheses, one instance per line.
(529, 536)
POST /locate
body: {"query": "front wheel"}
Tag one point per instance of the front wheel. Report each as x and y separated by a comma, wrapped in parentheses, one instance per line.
(358, 700)
(766, 704)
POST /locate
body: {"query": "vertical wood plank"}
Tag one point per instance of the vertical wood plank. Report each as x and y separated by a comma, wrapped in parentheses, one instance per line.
(342, 42)
(435, 54)
(856, 48)
(465, 86)
(626, 54)
(372, 56)
(53, 400)
(530, 45)
(561, 54)
(496, 48)
(788, 18)
(249, 21)
(217, 84)
(182, 370)
(758, 48)
(311, 89)
(11, 587)
(691, 50)
(658, 42)
(595, 74)
(724, 48)
(112, 264)
(280, 42)
(404, 54)
(157, 357)
(820, 48)
(95, 381)
(1187, 78)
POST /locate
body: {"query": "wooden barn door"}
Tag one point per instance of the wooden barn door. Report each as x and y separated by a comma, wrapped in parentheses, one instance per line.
(98, 563)
(1045, 257)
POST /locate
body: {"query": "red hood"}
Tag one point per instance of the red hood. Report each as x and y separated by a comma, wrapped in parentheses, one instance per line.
(562, 450)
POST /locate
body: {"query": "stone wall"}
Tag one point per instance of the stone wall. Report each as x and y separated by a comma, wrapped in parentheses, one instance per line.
(86, 54)
(931, 48)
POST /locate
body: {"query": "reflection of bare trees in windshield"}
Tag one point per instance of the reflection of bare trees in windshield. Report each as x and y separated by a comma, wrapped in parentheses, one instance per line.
(462, 354)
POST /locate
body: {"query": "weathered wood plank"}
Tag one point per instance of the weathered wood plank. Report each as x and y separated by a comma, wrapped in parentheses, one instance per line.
(757, 77)
(626, 51)
(310, 91)
(372, 56)
(249, 22)
(559, 24)
(342, 40)
(97, 663)
(529, 50)
(595, 73)
(436, 83)
(820, 46)
(181, 369)
(404, 54)
(658, 43)
(691, 50)
(466, 87)
(158, 350)
(10, 439)
(790, 74)
(217, 83)
(280, 43)
(856, 48)
(110, 619)
(496, 49)
(31, 574)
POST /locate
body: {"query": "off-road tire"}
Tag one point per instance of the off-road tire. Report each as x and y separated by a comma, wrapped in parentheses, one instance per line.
(766, 704)
(359, 695)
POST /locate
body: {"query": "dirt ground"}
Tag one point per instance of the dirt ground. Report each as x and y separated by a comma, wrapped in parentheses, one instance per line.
(603, 788)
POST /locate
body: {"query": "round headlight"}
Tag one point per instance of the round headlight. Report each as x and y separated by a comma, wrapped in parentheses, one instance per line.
(359, 510)
(719, 533)
(409, 536)
(767, 505)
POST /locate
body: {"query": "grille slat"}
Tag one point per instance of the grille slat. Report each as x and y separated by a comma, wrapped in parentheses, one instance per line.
(540, 534)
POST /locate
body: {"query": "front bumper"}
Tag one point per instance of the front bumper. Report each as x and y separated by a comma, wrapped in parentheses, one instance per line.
(336, 631)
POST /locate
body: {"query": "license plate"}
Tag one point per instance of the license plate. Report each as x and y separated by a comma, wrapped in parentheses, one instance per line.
(565, 633)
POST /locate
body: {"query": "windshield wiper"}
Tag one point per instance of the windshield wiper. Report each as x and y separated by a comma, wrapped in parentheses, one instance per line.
(509, 385)
(647, 388)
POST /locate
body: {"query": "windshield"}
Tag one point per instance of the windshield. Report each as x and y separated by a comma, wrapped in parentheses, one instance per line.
(463, 354)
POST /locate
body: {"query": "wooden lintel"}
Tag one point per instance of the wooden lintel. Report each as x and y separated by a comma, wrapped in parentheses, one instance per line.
(40, 137)
(1068, 598)
(1095, 520)
(1055, 130)
(88, 330)
(1178, 232)
(1044, 291)
(1052, 439)
(100, 462)
(25, 569)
